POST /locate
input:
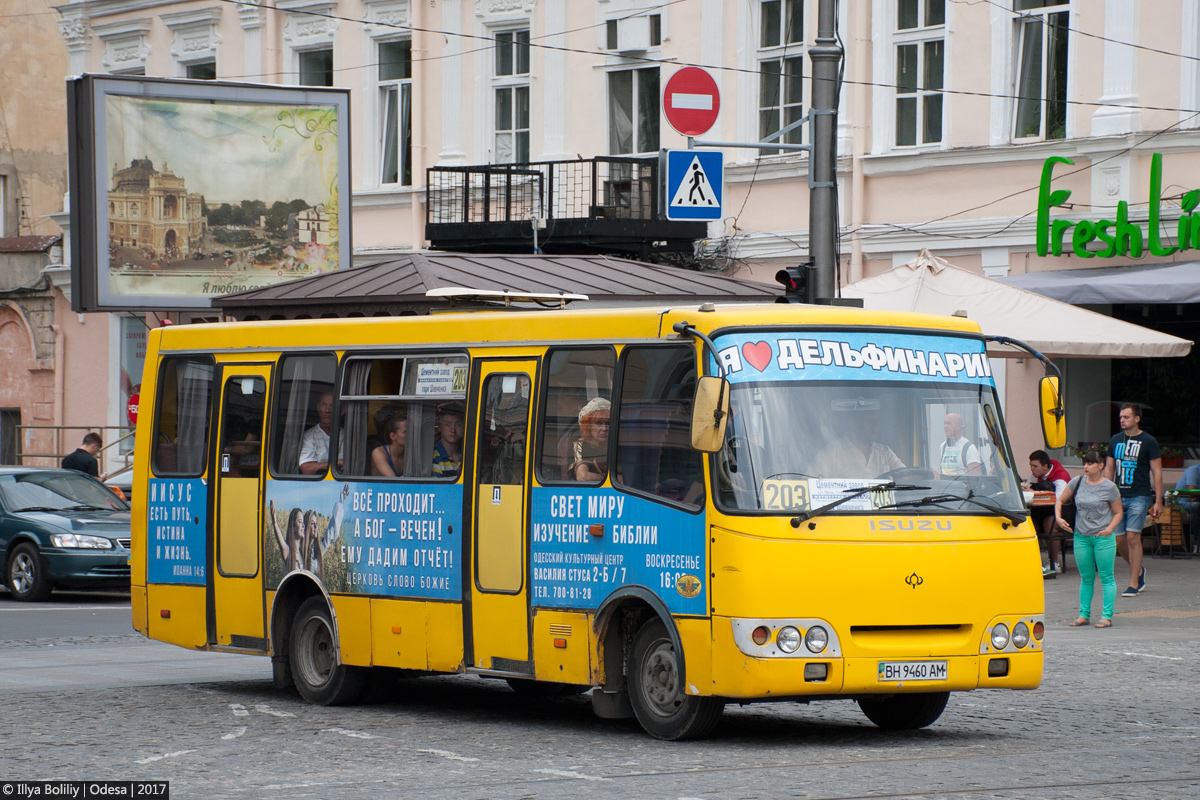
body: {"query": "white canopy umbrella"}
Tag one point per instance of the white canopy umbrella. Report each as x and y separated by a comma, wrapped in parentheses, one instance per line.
(934, 286)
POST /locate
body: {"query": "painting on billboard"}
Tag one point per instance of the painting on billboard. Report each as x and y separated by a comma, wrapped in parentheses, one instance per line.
(194, 189)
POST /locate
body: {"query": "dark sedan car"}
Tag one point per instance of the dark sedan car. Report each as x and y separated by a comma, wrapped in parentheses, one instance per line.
(61, 528)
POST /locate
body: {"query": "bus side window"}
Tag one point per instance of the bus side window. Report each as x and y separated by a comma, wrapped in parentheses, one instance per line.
(654, 452)
(574, 377)
(304, 380)
(181, 424)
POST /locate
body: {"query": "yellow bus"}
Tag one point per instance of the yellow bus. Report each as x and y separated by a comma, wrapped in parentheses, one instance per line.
(677, 508)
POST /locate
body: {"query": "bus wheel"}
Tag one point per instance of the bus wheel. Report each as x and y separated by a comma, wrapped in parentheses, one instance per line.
(319, 677)
(657, 694)
(905, 712)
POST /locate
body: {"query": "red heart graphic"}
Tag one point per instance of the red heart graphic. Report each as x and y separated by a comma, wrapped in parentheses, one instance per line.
(758, 354)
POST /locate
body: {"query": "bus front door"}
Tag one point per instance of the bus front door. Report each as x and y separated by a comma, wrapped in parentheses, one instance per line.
(235, 604)
(499, 587)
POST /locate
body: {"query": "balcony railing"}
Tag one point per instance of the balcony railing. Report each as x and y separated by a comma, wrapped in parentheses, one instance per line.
(606, 187)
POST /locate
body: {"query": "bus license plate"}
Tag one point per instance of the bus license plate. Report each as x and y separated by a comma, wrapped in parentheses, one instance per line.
(912, 670)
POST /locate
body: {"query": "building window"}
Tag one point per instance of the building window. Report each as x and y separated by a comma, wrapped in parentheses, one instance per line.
(395, 101)
(1041, 81)
(634, 27)
(633, 111)
(203, 71)
(920, 65)
(316, 67)
(781, 71)
(511, 85)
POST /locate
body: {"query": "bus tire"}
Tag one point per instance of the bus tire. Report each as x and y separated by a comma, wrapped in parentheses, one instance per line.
(319, 676)
(905, 712)
(657, 694)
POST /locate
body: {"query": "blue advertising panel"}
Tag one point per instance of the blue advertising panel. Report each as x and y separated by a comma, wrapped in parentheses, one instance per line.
(640, 542)
(851, 356)
(399, 540)
(695, 184)
(176, 525)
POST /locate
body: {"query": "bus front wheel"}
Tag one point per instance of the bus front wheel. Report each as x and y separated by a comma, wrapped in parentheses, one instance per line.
(319, 676)
(657, 693)
(905, 712)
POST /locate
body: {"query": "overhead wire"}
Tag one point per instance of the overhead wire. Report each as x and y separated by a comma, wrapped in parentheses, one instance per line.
(841, 80)
(665, 61)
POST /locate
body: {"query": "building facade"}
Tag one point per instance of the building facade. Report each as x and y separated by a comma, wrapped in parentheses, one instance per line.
(948, 113)
(152, 210)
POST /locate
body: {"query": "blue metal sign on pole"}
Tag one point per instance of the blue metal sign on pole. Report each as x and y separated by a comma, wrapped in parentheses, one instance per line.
(695, 184)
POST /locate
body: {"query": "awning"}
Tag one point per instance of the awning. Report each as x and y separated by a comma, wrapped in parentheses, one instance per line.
(934, 286)
(1138, 283)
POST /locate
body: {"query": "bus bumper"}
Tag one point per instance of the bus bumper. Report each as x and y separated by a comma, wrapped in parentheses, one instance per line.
(739, 676)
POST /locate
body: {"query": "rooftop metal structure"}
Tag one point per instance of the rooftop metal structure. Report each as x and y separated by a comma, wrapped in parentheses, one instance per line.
(607, 204)
(403, 286)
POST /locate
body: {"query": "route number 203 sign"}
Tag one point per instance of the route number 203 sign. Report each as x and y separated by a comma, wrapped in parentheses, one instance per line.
(785, 495)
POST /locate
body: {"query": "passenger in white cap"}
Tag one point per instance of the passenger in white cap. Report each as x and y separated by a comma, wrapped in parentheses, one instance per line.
(589, 454)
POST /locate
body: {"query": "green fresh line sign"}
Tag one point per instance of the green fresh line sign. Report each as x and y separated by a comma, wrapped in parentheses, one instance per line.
(1120, 237)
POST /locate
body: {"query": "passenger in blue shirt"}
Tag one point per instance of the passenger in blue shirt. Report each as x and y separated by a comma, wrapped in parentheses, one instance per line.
(447, 453)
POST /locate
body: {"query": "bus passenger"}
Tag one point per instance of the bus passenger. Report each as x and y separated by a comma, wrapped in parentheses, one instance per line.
(959, 456)
(314, 447)
(589, 454)
(447, 453)
(856, 454)
(387, 460)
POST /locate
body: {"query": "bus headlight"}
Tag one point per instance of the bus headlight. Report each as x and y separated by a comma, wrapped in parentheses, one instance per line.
(816, 639)
(1020, 635)
(1000, 636)
(788, 639)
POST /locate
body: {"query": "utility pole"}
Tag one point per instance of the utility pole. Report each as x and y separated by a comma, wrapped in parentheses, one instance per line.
(826, 57)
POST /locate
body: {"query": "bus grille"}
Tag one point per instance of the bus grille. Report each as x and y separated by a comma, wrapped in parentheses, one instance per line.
(887, 636)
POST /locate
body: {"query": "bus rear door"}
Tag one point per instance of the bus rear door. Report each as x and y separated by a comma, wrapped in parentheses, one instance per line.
(235, 604)
(498, 626)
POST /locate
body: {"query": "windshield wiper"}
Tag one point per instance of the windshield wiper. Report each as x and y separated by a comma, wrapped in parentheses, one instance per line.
(85, 507)
(38, 508)
(938, 499)
(850, 495)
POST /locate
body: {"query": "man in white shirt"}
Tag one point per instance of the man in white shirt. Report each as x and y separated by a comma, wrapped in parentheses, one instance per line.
(959, 456)
(314, 447)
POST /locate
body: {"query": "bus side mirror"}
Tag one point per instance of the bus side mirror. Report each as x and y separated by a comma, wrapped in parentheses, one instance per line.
(1054, 423)
(710, 412)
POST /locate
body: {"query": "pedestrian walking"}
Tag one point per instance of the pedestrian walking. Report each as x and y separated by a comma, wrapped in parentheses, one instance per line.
(84, 458)
(1098, 512)
(1135, 465)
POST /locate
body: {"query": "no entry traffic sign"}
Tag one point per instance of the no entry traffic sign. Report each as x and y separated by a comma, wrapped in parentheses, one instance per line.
(691, 101)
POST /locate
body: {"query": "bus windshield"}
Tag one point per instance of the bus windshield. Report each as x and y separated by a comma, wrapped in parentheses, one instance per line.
(798, 445)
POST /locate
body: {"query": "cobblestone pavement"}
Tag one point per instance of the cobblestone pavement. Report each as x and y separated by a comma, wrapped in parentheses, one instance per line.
(1116, 717)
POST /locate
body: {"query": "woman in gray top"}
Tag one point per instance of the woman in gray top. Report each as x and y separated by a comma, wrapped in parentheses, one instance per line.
(1097, 513)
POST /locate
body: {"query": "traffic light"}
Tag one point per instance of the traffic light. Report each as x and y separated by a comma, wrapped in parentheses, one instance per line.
(798, 284)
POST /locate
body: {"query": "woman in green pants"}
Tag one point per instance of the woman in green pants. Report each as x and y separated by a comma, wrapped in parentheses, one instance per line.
(1097, 512)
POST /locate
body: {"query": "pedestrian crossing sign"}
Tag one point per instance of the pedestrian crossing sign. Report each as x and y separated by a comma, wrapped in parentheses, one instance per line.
(695, 183)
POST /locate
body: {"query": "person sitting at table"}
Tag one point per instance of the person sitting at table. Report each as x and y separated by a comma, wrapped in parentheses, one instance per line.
(1190, 506)
(1048, 475)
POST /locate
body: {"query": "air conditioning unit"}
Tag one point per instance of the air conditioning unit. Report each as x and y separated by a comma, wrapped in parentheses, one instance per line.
(633, 35)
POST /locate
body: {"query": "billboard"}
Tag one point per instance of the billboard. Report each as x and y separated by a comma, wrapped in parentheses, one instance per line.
(182, 191)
